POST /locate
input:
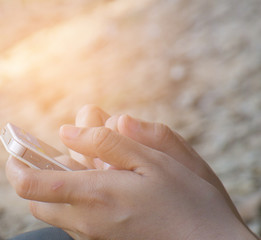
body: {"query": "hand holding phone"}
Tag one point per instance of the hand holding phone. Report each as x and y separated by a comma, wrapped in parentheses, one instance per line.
(34, 152)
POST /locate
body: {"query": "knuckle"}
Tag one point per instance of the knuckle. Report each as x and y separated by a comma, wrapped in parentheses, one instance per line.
(100, 136)
(95, 200)
(104, 140)
(26, 185)
(97, 193)
(162, 132)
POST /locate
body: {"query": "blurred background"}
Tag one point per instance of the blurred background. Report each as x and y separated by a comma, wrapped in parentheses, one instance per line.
(194, 65)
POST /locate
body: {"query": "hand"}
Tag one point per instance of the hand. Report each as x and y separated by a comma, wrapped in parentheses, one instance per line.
(154, 135)
(153, 196)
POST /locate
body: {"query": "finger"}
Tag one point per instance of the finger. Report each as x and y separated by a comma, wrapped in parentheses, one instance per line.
(89, 116)
(77, 221)
(112, 122)
(109, 146)
(55, 214)
(70, 163)
(57, 186)
(160, 137)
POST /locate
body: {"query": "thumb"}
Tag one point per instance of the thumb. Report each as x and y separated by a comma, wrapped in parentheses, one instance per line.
(108, 145)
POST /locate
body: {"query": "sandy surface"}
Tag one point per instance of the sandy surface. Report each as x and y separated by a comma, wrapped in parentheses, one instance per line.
(194, 65)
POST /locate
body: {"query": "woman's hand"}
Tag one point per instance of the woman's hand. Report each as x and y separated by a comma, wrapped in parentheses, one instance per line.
(152, 195)
(154, 135)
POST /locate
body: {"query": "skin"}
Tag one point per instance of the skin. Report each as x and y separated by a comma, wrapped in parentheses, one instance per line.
(153, 185)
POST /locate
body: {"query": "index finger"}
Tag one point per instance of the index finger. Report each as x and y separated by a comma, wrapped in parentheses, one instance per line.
(54, 186)
(110, 146)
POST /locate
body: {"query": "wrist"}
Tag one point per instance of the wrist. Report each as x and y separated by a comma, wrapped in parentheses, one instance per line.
(225, 231)
(238, 231)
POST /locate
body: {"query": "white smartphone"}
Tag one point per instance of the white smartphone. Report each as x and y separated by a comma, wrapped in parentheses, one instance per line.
(32, 151)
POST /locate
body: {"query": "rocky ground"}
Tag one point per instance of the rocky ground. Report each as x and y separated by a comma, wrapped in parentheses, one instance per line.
(194, 65)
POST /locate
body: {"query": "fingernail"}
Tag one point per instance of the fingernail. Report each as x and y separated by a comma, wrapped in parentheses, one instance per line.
(70, 132)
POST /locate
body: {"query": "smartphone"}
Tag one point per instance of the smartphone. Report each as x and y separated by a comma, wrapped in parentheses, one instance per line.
(32, 151)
